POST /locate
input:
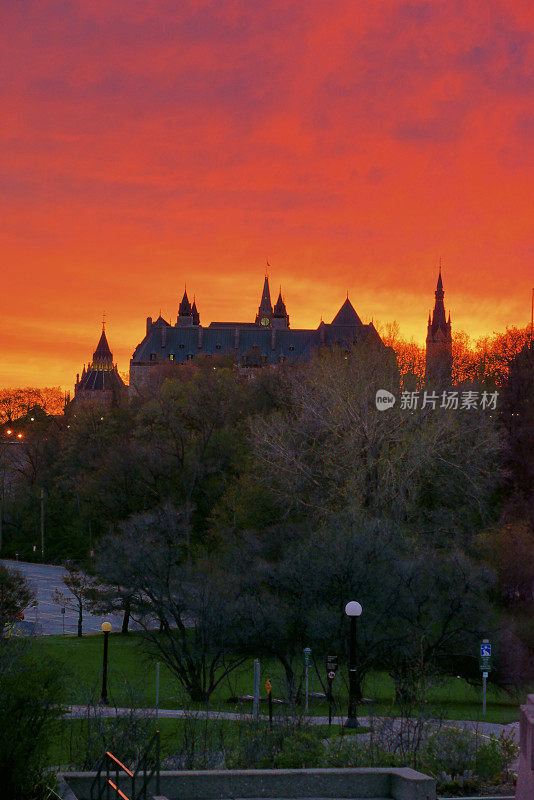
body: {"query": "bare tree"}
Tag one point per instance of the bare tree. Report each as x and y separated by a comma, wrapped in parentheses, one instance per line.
(78, 584)
(190, 614)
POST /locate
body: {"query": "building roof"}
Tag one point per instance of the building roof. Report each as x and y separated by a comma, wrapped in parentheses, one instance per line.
(347, 315)
(103, 351)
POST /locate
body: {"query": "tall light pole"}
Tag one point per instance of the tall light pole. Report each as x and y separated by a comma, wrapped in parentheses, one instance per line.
(106, 627)
(352, 610)
(42, 527)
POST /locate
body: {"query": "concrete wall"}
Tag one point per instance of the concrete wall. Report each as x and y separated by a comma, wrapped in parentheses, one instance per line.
(398, 784)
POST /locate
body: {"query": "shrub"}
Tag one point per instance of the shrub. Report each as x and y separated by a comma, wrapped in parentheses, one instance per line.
(495, 755)
(460, 759)
(300, 749)
(285, 745)
(353, 752)
(450, 751)
(30, 689)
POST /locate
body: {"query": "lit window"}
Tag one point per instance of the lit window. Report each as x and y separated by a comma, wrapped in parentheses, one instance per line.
(171, 357)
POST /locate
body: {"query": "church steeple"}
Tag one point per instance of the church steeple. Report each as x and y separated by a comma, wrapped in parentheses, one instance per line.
(439, 340)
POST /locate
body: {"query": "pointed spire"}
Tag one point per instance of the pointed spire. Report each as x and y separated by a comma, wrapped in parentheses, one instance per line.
(265, 303)
(194, 312)
(184, 309)
(438, 317)
(103, 354)
(280, 306)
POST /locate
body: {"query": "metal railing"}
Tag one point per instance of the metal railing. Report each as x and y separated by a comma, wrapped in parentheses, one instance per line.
(104, 787)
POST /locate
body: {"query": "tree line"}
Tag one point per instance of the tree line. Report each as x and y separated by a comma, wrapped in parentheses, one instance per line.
(233, 514)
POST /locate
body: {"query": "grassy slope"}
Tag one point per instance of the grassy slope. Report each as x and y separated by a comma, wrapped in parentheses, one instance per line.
(132, 681)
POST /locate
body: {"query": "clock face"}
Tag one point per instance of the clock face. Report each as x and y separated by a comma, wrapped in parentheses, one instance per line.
(264, 320)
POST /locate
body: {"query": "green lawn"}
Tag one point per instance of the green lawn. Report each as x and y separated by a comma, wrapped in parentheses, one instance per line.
(132, 681)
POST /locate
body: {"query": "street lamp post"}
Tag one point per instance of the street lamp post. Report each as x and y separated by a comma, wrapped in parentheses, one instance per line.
(106, 627)
(352, 610)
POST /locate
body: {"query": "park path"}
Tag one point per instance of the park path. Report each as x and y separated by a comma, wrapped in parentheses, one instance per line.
(78, 711)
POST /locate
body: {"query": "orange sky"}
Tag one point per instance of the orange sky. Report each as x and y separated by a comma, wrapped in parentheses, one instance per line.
(351, 144)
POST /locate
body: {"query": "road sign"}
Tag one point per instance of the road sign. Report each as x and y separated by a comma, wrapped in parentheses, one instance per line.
(307, 656)
(331, 675)
(268, 687)
(485, 674)
(331, 664)
(485, 649)
(485, 664)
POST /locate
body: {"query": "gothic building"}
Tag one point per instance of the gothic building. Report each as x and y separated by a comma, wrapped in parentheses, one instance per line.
(268, 340)
(438, 366)
(100, 382)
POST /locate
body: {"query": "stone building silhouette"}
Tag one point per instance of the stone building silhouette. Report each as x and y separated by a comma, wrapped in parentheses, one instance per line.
(438, 363)
(268, 340)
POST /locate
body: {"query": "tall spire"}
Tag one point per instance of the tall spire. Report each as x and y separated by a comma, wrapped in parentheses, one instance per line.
(184, 309)
(265, 309)
(439, 340)
(438, 317)
(194, 312)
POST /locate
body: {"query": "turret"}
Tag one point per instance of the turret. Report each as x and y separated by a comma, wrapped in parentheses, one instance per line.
(184, 312)
(280, 317)
(194, 313)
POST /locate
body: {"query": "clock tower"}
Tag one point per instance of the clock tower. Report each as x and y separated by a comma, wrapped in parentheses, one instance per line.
(265, 310)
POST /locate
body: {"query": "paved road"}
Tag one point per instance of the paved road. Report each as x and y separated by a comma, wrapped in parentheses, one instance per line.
(46, 617)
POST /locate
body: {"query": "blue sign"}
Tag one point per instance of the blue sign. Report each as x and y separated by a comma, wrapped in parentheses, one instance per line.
(485, 650)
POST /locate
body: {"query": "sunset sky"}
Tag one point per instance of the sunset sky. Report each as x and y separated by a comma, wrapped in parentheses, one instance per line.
(352, 144)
